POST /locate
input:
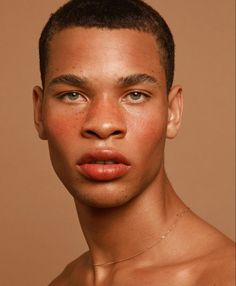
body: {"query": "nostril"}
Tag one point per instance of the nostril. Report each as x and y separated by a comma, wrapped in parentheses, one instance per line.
(102, 134)
(117, 132)
(91, 133)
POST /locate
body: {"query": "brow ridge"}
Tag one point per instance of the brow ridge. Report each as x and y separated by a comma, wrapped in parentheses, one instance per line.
(129, 80)
(139, 78)
(69, 79)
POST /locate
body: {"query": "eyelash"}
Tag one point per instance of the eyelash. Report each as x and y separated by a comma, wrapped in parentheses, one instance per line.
(127, 98)
(65, 96)
(145, 97)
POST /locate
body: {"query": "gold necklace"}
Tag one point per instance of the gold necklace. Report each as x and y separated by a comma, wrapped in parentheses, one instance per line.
(162, 237)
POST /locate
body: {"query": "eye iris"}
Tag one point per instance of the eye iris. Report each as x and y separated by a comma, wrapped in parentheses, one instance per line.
(135, 95)
(73, 95)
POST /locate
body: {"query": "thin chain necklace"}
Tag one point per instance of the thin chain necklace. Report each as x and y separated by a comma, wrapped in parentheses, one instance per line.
(160, 238)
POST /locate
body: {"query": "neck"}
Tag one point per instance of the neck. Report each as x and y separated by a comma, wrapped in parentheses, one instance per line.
(111, 234)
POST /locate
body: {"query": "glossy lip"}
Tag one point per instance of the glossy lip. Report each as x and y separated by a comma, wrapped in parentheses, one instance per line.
(103, 172)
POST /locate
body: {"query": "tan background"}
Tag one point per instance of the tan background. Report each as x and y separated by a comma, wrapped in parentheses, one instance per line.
(39, 228)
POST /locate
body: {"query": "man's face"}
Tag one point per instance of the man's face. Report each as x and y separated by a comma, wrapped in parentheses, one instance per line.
(105, 113)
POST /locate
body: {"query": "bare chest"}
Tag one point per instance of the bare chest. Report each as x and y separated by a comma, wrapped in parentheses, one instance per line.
(182, 275)
(153, 279)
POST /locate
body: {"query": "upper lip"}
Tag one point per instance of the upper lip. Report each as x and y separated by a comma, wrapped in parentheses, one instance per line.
(103, 155)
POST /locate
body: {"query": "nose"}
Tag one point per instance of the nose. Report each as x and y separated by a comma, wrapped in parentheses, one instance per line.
(104, 119)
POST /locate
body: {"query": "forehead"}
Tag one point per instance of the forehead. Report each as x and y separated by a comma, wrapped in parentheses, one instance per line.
(97, 52)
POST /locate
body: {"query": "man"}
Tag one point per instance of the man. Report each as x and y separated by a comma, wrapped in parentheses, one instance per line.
(106, 106)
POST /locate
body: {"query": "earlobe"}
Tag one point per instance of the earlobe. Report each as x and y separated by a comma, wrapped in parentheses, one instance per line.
(38, 106)
(175, 111)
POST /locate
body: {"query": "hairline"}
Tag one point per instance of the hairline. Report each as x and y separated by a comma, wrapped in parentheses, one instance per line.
(57, 29)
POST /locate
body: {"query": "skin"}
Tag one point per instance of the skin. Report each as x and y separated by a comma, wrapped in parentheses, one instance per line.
(101, 111)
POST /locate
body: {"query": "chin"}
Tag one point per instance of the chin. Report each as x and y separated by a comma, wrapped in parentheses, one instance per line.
(103, 196)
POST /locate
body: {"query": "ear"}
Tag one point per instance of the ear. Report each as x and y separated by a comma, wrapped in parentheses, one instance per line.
(175, 111)
(38, 107)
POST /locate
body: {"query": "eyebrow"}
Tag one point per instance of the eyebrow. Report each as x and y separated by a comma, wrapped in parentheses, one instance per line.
(130, 80)
(69, 79)
(134, 79)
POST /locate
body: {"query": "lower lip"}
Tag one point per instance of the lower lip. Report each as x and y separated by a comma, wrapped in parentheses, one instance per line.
(103, 172)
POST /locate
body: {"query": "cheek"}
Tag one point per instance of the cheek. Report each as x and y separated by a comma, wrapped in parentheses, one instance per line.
(149, 130)
(61, 127)
(148, 142)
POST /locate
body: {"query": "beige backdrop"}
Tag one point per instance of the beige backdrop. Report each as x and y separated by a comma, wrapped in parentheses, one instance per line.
(39, 228)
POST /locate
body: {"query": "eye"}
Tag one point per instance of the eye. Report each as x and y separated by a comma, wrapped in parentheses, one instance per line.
(136, 97)
(72, 96)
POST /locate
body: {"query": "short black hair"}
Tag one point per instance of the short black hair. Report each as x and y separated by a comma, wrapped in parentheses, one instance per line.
(110, 14)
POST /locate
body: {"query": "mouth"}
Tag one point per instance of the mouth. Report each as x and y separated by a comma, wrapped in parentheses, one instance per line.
(103, 165)
(104, 162)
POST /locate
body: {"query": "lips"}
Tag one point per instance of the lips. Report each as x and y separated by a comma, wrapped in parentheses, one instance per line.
(103, 165)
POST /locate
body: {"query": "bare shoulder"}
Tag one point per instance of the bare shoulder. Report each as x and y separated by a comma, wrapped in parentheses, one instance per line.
(216, 268)
(75, 268)
(219, 266)
(211, 255)
(217, 262)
